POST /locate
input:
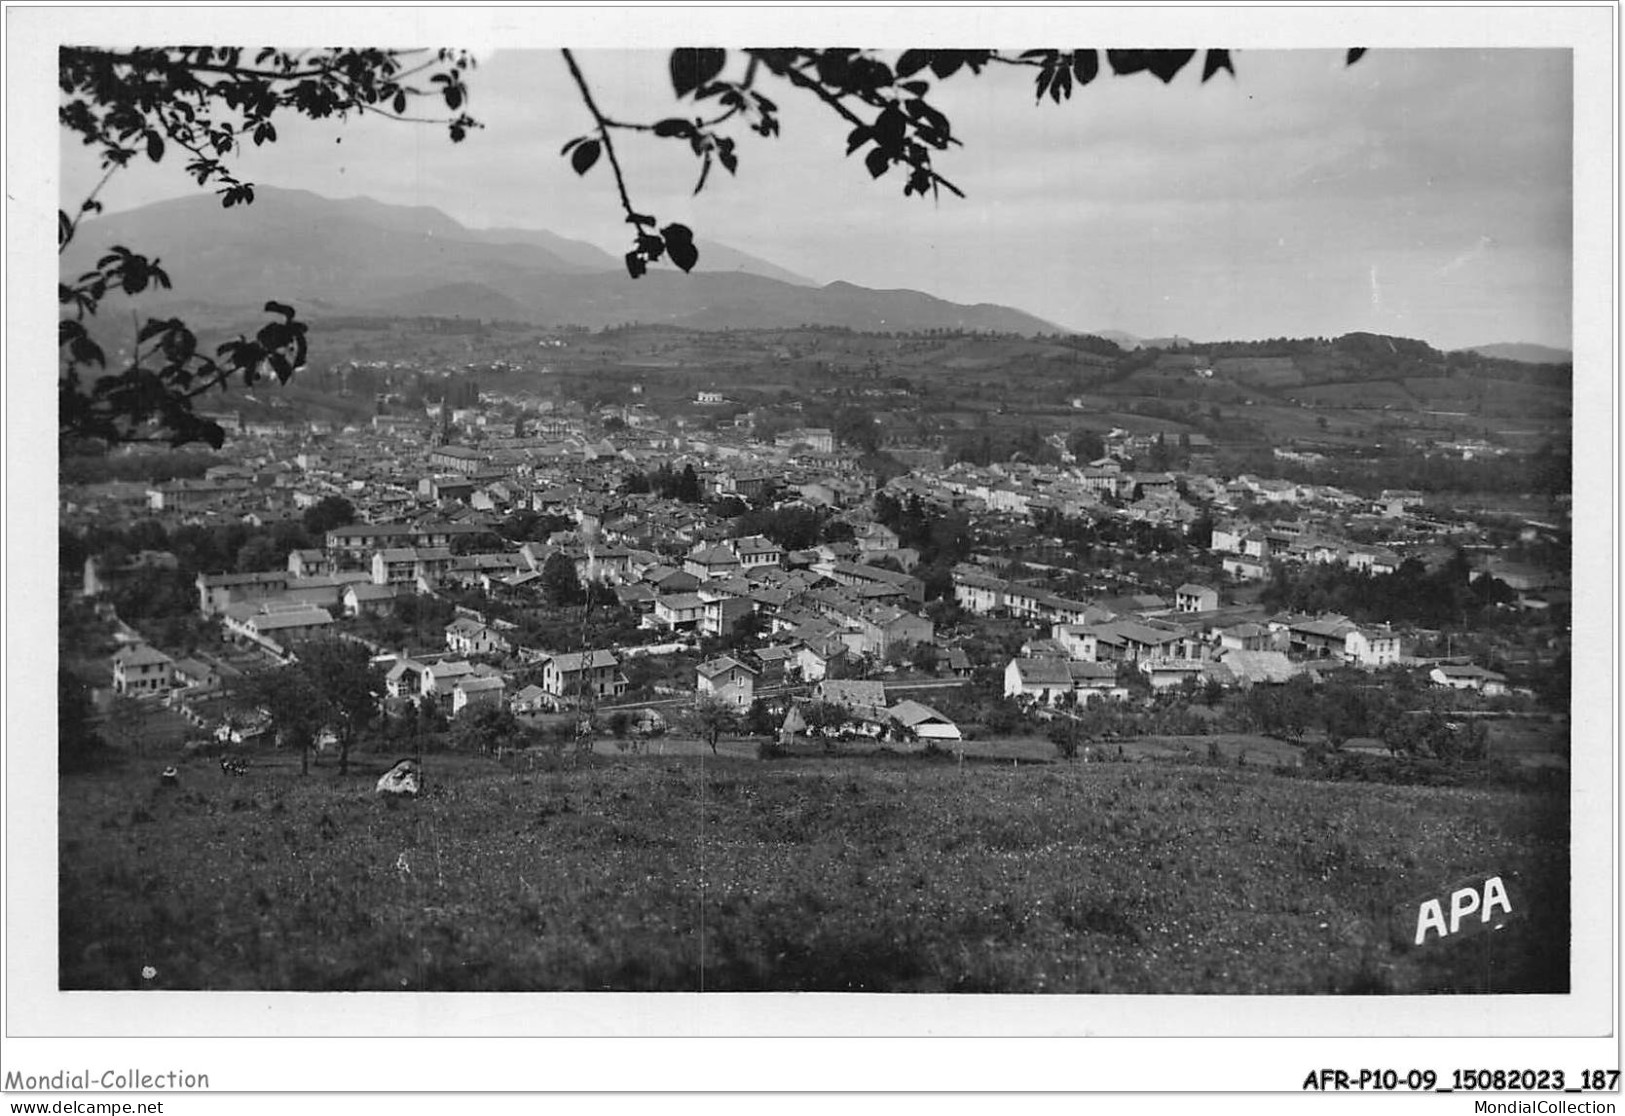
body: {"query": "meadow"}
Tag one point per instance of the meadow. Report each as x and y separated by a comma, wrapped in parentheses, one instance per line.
(875, 874)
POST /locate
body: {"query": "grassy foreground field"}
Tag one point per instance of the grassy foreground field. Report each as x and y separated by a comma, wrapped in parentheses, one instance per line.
(697, 873)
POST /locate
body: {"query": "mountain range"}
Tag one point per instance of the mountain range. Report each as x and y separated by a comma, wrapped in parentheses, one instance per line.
(361, 256)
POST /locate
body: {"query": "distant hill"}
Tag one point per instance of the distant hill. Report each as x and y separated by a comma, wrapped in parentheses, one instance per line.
(1123, 340)
(360, 256)
(1524, 353)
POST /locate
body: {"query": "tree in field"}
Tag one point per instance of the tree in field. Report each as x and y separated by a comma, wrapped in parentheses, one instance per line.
(759, 719)
(485, 729)
(126, 723)
(823, 718)
(1285, 711)
(331, 687)
(351, 690)
(200, 104)
(78, 744)
(1068, 736)
(295, 719)
(711, 717)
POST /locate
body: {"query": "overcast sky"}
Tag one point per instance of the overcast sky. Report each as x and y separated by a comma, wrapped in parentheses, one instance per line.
(1421, 192)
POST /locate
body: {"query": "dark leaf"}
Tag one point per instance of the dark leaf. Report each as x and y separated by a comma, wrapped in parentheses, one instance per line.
(639, 219)
(918, 88)
(673, 127)
(1165, 64)
(933, 126)
(86, 351)
(890, 125)
(834, 68)
(680, 246)
(945, 62)
(153, 328)
(873, 74)
(857, 138)
(585, 156)
(725, 154)
(692, 67)
(64, 228)
(1085, 65)
(650, 246)
(454, 97)
(1045, 76)
(912, 62)
(179, 344)
(705, 172)
(91, 205)
(280, 308)
(1037, 54)
(155, 146)
(877, 161)
(635, 266)
(400, 102)
(1062, 88)
(1355, 54)
(565, 150)
(1215, 61)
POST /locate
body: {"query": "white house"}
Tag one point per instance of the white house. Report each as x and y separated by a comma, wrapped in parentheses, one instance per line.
(1372, 646)
(679, 610)
(1469, 678)
(757, 551)
(141, 670)
(467, 636)
(1244, 569)
(1042, 680)
(1078, 640)
(1191, 597)
(475, 691)
(588, 675)
(729, 680)
(922, 722)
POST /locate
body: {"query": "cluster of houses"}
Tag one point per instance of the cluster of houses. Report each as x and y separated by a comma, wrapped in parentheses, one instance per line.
(863, 709)
(814, 608)
(1191, 638)
(421, 498)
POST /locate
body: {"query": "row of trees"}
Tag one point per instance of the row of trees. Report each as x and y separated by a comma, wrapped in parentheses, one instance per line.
(1447, 597)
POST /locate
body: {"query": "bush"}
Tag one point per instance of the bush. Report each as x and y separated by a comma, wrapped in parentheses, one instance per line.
(1067, 737)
